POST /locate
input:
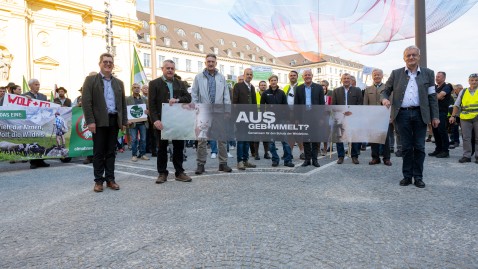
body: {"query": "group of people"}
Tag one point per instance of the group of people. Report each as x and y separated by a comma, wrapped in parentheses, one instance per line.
(411, 93)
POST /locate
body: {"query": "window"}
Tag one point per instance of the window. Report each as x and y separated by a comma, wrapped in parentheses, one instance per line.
(241, 55)
(293, 62)
(201, 47)
(145, 24)
(163, 28)
(147, 60)
(253, 57)
(146, 38)
(216, 51)
(258, 49)
(200, 66)
(234, 44)
(185, 45)
(160, 60)
(221, 68)
(285, 78)
(330, 69)
(229, 53)
(274, 61)
(221, 41)
(241, 70)
(263, 59)
(319, 70)
(279, 77)
(167, 41)
(232, 70)
(248, 47)
(181, 32)
(188, 65)
(176, 62)
(197, 36)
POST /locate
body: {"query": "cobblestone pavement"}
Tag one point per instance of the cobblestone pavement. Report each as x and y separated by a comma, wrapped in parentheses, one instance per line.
(335, 216)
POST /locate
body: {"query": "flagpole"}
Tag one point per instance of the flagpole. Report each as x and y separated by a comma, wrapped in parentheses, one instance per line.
(152, 37)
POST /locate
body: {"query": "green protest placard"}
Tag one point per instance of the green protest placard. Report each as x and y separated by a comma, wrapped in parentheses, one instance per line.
(81, 141)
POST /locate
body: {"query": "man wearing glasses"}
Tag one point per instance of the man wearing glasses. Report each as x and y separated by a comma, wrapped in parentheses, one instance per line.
(467, 100)
(414, 105)
(104, 108)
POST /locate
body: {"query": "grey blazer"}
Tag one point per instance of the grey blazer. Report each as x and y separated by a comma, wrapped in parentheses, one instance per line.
(354, 96)
(397, 84)
(371, 95)
(94, 104)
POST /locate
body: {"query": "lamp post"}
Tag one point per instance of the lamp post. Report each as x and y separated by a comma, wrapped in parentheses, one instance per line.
(152, 37)
(421, 31)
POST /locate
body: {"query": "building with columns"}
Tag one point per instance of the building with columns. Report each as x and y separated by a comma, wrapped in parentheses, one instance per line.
(60, 41)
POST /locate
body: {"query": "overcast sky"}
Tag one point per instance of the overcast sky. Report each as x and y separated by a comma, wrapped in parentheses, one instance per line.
(451, 49)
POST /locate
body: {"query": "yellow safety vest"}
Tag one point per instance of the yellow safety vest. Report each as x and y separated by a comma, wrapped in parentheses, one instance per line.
(469, 105)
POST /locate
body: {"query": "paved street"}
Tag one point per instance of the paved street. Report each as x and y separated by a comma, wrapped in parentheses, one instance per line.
(335, 216)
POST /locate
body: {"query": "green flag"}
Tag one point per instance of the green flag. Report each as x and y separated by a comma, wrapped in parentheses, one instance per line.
(25, 86)
(137, 72)
(52, 97)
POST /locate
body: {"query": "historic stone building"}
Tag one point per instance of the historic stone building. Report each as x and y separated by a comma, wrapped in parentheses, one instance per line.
(59, 42)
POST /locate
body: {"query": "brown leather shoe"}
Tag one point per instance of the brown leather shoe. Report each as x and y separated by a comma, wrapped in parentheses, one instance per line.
(355, 160)
(183, 177)
(112, 185)
(98, 187)
(249, 165)
(387, 162)
(162, 178)
(374, 161)
(340, 160)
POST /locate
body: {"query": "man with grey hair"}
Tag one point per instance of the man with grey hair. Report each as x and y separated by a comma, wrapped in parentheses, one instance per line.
(167, 89)
(210, 87)
(372, 98)
(34, 93)
(414, 104)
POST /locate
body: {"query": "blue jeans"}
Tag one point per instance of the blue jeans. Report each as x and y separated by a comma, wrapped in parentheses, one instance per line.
(133, 132)
(242, 151)
(287, 152)
(213, 144)
(355, 149)
(412, 135)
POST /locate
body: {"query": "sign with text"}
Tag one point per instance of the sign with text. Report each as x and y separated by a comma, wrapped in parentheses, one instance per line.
(137, 113)
(317, 123)
(13, 100)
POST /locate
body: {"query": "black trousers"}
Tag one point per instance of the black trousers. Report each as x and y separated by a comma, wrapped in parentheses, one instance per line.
(386, 148)
(162, 160)
(104, 145)
(311, 150)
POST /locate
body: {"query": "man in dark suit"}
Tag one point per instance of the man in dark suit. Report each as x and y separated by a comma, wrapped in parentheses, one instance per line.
(309, 94)
(104, 108)
(349, 96)
(167, 89)
(414, 105)
(244, 93)
(372, 98)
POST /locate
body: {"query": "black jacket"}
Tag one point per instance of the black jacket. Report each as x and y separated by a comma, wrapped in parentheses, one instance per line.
(273, 97)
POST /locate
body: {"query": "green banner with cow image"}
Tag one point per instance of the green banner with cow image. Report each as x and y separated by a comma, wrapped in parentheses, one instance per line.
(43, 133)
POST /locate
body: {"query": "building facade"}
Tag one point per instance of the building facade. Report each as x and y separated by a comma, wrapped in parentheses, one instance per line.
(59, 41)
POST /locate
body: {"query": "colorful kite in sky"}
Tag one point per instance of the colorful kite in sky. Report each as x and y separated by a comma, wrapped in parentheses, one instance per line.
(325, 26)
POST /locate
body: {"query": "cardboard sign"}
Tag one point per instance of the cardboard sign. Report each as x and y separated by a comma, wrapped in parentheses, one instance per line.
(136, 113)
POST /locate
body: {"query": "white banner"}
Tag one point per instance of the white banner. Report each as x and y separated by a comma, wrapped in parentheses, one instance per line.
(20, 101)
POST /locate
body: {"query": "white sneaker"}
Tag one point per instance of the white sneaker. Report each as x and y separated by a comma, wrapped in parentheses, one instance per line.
(230, 155)
(144, 157)
(134, 159)
(232, 147)
(213, 156)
